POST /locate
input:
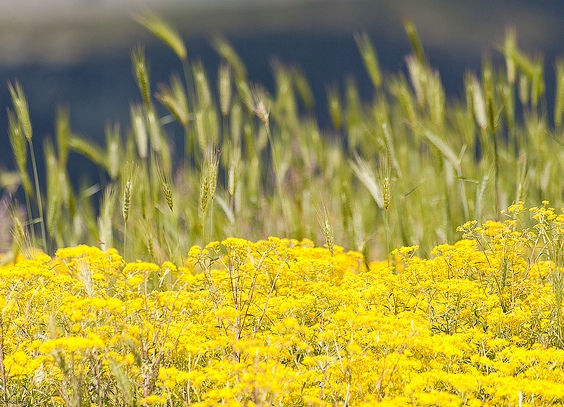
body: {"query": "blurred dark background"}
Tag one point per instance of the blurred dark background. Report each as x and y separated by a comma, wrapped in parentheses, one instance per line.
(76, 53)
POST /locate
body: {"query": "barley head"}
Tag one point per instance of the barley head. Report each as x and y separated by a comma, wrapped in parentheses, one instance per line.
(386, 192)
(202, 85)
(334, 106)
(140, 130)
(365, 175)
(22, 111)
(19, 148)
(149, 242)
(63, 133)
(141, 72)
(369, 57)
(204, 192)
(213, 171)
(224, 88)
(326, 228)
(479, 103)
(509, 49)
(523, 87)
(233, 174)
(224, 48)
(127, 200)
(391, 157)
(128, 179)
(113, 152)
(88, 149)
(303, 88)
(415, 41)
(154, 130)
(22, 240)
(165, 32)
(174, 99)
(166, 185)
(417, 77)
(260, 104)
(538, 85)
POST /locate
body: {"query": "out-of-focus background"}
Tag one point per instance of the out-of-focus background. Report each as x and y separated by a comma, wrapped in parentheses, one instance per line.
(76, 53)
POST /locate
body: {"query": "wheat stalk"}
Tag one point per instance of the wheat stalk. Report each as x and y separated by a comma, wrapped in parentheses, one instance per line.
(140, 130)
(165, 32)
(326, 229)
(224, 88)
(173, 97)
(415, 41)
(128, 180)
(22, 112)
(105, 219)
(224, 48)
(166, 185)
(369, 57)
(18, 143)
(141, 72)
(559, 106)
(202, 85)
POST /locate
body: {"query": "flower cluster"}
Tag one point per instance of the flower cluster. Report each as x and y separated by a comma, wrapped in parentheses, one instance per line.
(282, 322)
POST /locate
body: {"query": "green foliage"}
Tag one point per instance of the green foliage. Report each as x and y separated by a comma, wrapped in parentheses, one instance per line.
(249, 162)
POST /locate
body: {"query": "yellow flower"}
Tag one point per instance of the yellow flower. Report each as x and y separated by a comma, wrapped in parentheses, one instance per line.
(281, 321)
(153, 400)
(72, 344)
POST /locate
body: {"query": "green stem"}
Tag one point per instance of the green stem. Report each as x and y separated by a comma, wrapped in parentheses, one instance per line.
(39, 199)
(211, 221)
(388, 236)
(277, 177)
(125, 241)
(204, 227)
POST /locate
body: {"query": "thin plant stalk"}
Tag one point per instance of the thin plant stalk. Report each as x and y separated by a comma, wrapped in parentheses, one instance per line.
(386, 197)
(22, 112)
(39, 197)
(129, 174)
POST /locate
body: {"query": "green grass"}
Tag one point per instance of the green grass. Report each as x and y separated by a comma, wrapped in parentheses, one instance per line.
(403, 169)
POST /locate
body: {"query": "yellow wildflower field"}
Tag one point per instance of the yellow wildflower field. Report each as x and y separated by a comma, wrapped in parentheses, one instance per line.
(282, 322)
